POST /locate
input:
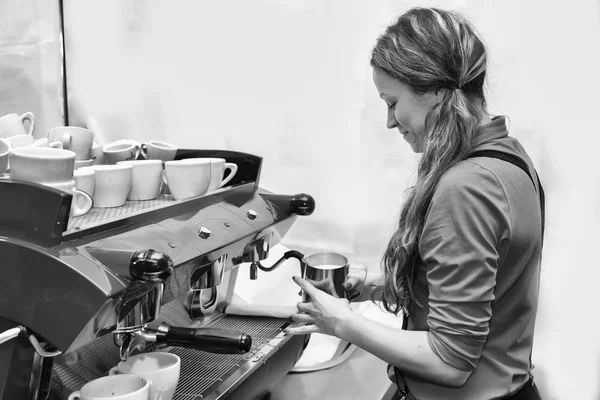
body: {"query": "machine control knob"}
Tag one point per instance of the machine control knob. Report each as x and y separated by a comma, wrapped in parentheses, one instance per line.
(150, 266)
(204, 233)
(251, 214)
(302, 204)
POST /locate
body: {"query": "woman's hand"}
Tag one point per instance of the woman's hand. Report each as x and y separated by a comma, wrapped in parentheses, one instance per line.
(355, 282)
(324, 311)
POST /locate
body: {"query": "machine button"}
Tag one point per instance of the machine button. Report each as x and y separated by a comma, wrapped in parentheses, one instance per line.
(251, 214)
(204, 233)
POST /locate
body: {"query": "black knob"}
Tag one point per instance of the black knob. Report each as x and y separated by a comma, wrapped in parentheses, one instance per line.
(150, 266)
(302, 204)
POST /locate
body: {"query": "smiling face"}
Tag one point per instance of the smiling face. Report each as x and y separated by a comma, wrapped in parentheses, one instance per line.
(407, 110)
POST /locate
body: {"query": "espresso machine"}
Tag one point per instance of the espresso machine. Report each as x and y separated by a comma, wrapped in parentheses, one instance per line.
(80, 294)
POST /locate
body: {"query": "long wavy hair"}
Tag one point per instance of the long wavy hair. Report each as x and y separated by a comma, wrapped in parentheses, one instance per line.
(429, 49)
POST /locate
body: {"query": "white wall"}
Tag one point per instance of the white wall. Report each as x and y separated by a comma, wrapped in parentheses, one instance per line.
(289, 80)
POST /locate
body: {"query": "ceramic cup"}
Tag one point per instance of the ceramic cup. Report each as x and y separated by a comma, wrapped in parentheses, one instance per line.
(41, 164)
(115, 387)
(156, 150)
(14, 124)
(82, 201)
(146, 178)
(161, 369)
(187, 178)
(83, 163)
(121, 151)
(85, 180)
(97, 154)
(111, 185)
(74, 138)
(218, 166)
(20, 141)
(4, 152)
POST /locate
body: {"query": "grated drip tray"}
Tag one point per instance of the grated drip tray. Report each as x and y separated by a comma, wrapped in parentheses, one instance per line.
(201, 372)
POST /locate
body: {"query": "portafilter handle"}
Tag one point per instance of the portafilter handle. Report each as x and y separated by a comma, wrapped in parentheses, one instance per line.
(206, 339)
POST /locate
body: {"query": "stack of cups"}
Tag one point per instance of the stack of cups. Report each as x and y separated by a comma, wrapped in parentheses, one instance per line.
(78, 140)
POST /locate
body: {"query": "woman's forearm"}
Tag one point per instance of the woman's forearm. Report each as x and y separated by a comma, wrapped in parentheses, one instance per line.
(407, 350)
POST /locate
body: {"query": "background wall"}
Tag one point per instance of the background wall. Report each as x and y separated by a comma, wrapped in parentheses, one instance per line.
(289, 80)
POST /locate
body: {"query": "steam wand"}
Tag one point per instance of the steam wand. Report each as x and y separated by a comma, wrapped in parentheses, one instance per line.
(255, 265)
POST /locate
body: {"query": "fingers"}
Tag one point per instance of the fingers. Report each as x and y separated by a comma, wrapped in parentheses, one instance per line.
(306, 286)
(302, 330)
(306, 307)
(307, 318)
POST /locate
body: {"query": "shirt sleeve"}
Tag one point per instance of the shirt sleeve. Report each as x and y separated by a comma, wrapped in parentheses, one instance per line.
(467, 220)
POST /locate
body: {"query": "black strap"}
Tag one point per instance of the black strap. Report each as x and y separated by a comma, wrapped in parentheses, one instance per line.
(518, 162)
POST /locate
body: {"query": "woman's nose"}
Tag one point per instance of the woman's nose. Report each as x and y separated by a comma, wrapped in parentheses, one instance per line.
(391, 119)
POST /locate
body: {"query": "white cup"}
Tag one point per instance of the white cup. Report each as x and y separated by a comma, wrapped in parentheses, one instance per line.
(121, 150)
(20, 141)
(41, 164)
(83, 163)
(14, 124)
(4, 153)
(159, 368)
(146, 176)
(187, 178)
(156, 150)
(112, 184)
(115, 387)
(85, 180)
(97, 154)
(74, 138)
(82, 202)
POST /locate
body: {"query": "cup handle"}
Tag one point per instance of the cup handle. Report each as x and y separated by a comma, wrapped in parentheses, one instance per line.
(77, 208)
(354, 295)
(28, 116)
(75, 395)
(113, 371)
(144, 151)
(137, 151)
(164, 177)
(232, 167)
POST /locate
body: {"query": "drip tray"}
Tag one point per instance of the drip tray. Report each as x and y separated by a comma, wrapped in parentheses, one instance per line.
(204, 376)
(212, 376)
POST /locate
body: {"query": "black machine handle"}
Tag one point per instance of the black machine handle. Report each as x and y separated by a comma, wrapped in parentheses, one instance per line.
(206, 339)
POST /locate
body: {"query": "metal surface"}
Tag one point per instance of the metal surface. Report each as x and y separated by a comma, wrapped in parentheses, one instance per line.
(209, 375)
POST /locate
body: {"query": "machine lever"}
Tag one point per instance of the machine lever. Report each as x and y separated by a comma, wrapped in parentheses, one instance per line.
(206, 339)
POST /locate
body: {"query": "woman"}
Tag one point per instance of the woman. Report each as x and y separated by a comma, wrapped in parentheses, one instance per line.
(464, 262)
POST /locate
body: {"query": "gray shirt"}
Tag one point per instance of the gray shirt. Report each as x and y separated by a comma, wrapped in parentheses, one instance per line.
(481, 252)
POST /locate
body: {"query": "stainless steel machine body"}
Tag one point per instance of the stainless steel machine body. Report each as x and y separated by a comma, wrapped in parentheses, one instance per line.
(150, 275)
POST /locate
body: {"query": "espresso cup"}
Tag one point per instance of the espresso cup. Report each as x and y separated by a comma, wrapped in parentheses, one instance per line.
(111, 185)
(74, 138)
(41, 164)
(159, 368)
(187, 178)
(83, 163)
(156, 150)
(97, 154)
(121, 151)
(85, 180)
(4, 152)
(328, 271)
(20, 141)
(14, 124)
(82, 202)
(146, 178)
(218, 166)
(115, 387)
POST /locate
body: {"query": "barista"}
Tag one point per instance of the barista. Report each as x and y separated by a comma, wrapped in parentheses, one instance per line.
(464, 262)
